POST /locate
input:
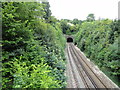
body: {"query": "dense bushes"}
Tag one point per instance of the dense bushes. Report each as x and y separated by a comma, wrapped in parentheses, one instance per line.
(70, 27)
(33, 49)
(99, 41)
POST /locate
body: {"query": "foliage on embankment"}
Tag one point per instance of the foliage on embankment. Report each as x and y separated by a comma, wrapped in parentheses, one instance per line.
(99, 41)
(33, 47)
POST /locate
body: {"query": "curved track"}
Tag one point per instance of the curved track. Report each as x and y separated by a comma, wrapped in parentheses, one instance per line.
(84, 74)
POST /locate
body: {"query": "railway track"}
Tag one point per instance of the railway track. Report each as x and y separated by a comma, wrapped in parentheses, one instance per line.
(84, 74)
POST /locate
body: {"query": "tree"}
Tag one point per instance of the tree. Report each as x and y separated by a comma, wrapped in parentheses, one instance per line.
(64, 26)
(90, 17)
(75, 21)
(47, 10)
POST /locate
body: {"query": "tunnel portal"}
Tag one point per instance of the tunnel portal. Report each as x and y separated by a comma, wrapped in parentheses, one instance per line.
(69, 39)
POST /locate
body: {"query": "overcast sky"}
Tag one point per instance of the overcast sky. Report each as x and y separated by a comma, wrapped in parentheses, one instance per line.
(70, 9)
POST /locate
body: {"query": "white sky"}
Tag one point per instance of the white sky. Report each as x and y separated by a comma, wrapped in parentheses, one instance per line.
(70, 9)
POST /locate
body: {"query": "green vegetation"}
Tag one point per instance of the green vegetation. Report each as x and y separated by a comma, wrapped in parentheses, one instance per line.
(33, 47)
(90, 17)
(70, 27)
(98, 39)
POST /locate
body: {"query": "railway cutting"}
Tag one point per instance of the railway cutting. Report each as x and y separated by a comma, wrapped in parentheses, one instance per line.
(82, 73)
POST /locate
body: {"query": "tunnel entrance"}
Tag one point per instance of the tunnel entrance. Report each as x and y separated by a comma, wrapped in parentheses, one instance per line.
(69, 39)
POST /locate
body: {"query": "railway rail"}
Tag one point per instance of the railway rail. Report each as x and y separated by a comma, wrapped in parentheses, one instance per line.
(82, 73)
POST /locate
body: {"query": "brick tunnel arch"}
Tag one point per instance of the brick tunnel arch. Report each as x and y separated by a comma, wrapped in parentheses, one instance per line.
(69, 39)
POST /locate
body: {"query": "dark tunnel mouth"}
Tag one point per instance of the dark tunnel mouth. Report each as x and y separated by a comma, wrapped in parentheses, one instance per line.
(69, 39)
